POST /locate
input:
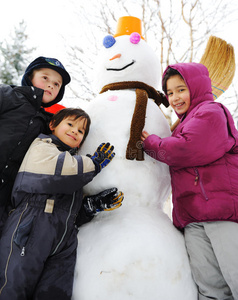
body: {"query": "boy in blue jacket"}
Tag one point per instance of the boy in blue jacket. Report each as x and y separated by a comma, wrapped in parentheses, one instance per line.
(23, 118)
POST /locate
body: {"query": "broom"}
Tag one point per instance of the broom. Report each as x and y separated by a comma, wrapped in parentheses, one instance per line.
(219, 58)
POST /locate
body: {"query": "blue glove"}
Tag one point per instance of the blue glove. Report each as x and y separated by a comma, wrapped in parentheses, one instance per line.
(102, 156)
(107, 200)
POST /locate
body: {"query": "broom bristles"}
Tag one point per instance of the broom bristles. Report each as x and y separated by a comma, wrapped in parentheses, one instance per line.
(219, 58)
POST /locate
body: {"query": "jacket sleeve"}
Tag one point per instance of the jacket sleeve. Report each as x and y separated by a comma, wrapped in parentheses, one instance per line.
(47, 170)
(202, 140)
(1, 101)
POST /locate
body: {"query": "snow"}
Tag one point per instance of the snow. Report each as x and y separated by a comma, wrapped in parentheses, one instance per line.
(139, 71)
(134, 252)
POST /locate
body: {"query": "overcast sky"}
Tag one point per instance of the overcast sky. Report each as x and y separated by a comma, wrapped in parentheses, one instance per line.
(48, 21)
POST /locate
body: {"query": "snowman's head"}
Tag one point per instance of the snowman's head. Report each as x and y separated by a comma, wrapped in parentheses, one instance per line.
(127, 58)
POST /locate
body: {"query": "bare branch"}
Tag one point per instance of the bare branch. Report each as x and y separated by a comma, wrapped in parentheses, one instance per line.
(177, 31)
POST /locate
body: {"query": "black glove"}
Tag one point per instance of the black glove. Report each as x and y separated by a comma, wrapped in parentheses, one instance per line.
(102, 156)
(107, 200)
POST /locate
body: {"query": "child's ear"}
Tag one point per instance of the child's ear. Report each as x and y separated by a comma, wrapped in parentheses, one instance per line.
(51, 126)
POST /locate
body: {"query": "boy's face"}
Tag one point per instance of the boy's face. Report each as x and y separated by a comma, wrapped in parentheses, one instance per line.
(48, 80)
(70, 131)
(178, 94)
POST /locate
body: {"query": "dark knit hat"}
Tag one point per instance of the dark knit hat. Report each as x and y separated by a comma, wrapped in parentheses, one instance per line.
(51, 63)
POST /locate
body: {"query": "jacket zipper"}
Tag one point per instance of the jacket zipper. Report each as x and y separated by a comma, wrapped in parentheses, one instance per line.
(11, 248)
(175, 210)
(198, 179)
(66, 226)
(23, 250)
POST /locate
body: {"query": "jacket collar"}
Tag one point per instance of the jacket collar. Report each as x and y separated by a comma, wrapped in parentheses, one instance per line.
(59, 144)
(32, 94)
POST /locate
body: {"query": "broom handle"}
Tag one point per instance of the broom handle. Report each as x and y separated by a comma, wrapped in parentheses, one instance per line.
(173, 126)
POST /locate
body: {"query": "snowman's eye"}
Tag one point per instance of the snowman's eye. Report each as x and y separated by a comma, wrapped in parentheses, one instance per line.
(134, 38)
(109, 41)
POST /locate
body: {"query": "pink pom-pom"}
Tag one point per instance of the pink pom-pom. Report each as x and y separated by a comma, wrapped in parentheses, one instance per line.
(134, 38)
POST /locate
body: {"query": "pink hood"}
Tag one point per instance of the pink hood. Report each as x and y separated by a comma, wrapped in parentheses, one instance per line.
(197, 79)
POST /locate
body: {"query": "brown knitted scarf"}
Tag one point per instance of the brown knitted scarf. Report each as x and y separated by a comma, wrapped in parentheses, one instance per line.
(143, 92)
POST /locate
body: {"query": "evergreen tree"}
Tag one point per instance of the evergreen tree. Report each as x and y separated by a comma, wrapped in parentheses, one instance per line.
(13, 54)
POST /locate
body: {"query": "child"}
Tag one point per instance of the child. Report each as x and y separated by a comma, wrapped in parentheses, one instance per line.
(23, 118)
(203, 157)
(39, 241)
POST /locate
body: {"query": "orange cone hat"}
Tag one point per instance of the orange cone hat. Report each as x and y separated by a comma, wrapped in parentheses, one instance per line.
(127, 25)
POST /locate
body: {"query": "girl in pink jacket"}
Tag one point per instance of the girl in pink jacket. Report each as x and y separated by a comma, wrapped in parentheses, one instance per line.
(202, 154)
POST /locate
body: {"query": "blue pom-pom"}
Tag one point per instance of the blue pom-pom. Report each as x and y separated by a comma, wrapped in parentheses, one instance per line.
(109, 41)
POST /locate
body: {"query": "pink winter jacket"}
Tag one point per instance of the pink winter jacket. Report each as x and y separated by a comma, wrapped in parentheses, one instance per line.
(202, 154)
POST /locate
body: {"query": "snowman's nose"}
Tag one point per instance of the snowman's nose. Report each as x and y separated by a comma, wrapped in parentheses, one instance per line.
(115, 56)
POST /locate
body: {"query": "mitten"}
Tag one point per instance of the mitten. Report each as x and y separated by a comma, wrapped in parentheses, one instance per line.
(109, 199)
(102, 156)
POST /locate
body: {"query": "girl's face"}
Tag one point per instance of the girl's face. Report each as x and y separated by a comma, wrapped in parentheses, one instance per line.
(48, 80)
(70, 131)
(178, 94)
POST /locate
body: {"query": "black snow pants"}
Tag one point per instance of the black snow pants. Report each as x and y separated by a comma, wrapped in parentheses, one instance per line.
(38, 252)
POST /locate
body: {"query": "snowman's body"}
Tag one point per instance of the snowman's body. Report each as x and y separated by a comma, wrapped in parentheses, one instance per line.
(133, 252)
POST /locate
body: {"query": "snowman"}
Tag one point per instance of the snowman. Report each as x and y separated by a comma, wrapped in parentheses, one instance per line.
(133, 252)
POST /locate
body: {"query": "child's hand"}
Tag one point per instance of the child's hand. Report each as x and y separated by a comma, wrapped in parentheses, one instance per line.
(107, 200)
(144, 135)
(102, 156)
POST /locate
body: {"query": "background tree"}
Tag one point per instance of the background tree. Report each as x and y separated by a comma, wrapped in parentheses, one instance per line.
(176, 30)
(14, 55)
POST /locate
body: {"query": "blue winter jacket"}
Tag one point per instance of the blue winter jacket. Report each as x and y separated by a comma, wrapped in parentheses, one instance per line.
(49, 170)
(21, 120)
(39, 239)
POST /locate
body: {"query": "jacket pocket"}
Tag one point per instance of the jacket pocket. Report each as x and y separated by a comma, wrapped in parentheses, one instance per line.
(22, 235)
(199, 180)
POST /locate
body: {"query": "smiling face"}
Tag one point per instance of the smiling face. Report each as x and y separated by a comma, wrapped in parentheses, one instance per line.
(123, 59)
(48, 80)
(70, 131)
(178, 94)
